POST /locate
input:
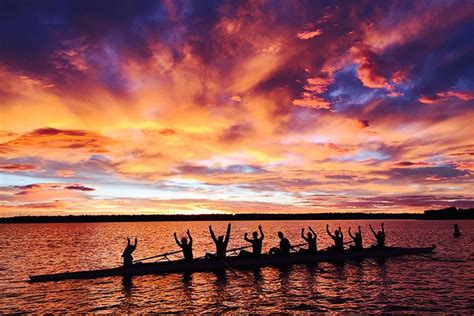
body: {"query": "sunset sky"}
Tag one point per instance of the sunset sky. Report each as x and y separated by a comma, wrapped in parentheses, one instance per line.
(189, 107)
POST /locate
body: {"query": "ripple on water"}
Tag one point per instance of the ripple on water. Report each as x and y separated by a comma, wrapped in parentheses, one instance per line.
(399, 285)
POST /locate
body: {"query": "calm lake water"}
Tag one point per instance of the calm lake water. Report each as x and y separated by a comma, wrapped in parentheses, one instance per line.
(406, 284)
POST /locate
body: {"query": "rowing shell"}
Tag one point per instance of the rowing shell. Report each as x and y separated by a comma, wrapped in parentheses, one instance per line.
(201, 265)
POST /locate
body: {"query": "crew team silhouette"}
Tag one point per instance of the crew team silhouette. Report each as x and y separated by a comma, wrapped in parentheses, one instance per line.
(284, 248)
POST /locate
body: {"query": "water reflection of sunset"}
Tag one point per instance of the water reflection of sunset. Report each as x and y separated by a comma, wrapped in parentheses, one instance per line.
(403, 285)
(170, 107)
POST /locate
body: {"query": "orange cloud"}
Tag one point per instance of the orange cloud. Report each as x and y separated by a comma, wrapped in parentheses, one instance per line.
(306, 35)
(311, 101)
(443, 96)
(367, 70)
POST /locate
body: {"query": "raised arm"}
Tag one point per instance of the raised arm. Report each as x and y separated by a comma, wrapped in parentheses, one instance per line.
(314, 233)
(360, 232)
(134, 246)
(128, 241)
(261, 232)
(176, 239)
(350, 234)
(246, 238)
(340, 232)
(373, 231)
(327, 230)
(227, 234)
(383, 230)
(190, 238)
(212, 234)
(302, 234)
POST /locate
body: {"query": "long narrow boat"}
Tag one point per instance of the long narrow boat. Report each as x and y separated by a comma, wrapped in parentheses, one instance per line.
(200, 265)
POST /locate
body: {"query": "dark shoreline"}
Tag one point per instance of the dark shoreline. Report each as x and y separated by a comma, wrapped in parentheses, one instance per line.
(451, 213)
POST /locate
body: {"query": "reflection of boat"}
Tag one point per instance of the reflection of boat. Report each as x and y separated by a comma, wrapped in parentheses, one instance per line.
(231, 262)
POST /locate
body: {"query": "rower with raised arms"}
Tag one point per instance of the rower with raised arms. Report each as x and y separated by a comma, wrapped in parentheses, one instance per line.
(338, 238)
(220, 242)
(357, 239)
(256, 243)
(186, 246)
(310, 238)
(127, 253)
(379, 237)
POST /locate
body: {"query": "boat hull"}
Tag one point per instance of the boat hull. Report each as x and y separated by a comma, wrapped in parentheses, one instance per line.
(202, 265)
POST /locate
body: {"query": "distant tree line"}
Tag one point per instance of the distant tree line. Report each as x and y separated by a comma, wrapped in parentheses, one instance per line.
(450, 213)
(447, 213)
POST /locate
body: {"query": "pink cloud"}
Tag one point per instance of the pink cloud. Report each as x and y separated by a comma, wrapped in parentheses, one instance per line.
(312, 101)
(367, 71)
(306, 35)
(443, 96)
(18, 167)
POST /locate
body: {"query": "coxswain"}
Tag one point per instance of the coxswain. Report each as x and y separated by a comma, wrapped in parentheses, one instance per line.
(285, 246)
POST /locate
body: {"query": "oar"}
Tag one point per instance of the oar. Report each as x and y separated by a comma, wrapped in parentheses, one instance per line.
(157, 256)
(298, 246)
(240, 248)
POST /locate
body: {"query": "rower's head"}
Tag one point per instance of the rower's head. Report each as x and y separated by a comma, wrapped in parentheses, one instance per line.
(309, 235)
(380, 234)
(220, 238)
(337, 233)
(184, 241)
(255, 235)
(280, 234)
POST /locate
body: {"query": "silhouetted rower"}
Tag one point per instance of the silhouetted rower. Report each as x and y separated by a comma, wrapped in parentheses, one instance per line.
(457, 232)
(186, 246)
(338, 238)
(221, 243)
(379, 237)
(357, 239)
(256, 243)
(310, 238)
(127, 253)
(285, 246)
